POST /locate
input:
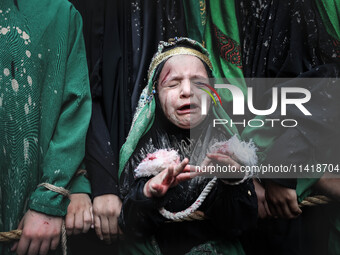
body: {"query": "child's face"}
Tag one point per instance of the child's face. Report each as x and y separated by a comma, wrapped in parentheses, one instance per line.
(179, 90)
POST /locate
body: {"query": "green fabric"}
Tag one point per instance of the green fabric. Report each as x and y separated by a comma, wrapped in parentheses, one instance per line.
(263, 137)
(304, 188)
(330, 14)
(219, 15)
(45, 105)
(138, 129)
(220, 113)
(196, 17)
(80, 184)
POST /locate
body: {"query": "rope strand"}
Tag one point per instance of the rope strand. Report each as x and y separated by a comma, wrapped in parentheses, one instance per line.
(191, 215)
(14, 235)
(187, 214)
(56, 189)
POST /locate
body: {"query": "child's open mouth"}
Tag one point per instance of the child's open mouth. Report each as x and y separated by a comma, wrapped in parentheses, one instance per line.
(187, 108)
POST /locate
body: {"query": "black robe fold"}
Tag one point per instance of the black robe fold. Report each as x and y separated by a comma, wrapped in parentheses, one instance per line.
(121, 38)
(287, 39)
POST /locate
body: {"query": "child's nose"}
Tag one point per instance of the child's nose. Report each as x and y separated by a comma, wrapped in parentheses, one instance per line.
(186, 90)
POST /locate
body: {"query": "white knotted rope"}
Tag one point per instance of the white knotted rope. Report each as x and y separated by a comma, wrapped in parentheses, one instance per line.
(185, 215)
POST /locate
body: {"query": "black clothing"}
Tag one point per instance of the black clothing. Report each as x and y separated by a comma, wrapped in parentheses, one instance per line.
(230, 210)
(287, 39)
(121, 38)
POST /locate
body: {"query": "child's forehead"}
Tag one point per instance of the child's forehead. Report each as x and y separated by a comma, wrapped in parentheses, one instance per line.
(176, 59)
(181, 64)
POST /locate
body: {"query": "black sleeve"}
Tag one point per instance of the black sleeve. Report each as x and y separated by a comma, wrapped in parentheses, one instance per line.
(139, 216)
(299, 48)
(232, 209)
(100, 165)
(99, 158)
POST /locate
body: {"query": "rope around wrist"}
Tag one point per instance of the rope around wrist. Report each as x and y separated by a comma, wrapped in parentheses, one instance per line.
(65, 193)
(56, 189)
(16, 234)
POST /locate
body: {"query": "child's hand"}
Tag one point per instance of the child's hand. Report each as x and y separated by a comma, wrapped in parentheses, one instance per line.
(170, 177)
(215, 161)
(223, 160)
(79, 216)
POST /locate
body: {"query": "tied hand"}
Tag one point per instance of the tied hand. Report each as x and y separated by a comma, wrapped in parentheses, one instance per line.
(170, 177)
(79, 216)
(282, 201)
(40, 233)
(106, 209)
(212, 160)
(222, 159)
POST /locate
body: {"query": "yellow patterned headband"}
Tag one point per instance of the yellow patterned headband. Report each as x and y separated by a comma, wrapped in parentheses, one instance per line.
(177, 51)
